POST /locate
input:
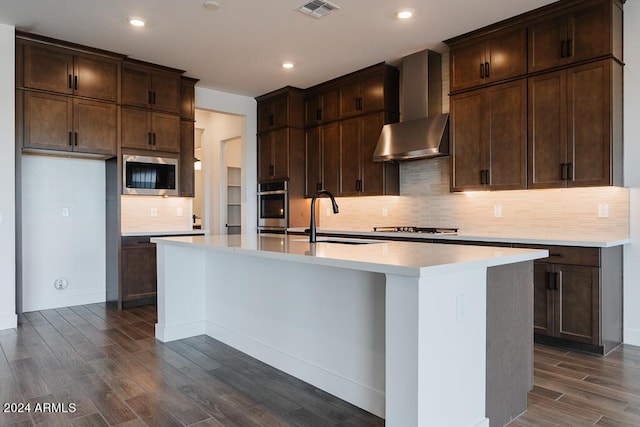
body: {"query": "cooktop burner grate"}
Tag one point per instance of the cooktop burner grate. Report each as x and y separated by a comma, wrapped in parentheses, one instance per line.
(413, 229)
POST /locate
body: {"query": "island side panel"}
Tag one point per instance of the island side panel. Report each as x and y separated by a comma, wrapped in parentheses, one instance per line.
(181, 292)
(435, 348)
(509, 341)
(321, 324)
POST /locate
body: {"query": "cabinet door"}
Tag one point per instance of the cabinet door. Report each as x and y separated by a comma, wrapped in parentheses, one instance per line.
(349, 158)
(547, 130)
(139, 273)
(187, 156)
(95, 125)
(313, 161)
(48, 121)
(372, 177)
(166, 132)
(349, 99)
(372, 93)
(95, 78)
(543, 294)
(187, 99)
(48, 68)
(506, 56)
(321, 108)
(589, 32)
(265, 156)
(465, 65)
(280, 143)
(468, 133)
(166, 92)
(330, 157)
(136, 128)
(273, 113)
(589, 124)
(547, 44)
(507, 151)
(577, 304)
(136, 87)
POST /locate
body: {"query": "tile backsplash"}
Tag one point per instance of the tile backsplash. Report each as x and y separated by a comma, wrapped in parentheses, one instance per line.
(425, 200)
(152, 214)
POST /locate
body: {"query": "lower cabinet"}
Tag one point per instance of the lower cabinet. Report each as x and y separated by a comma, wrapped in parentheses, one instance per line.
(578, 298)
(139, 272)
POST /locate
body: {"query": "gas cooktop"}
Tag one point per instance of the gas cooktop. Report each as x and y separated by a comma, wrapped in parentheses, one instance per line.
(413, 229)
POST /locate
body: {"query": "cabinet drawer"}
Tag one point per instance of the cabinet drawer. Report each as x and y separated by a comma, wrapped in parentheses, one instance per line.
(136, 242)
(570, 255)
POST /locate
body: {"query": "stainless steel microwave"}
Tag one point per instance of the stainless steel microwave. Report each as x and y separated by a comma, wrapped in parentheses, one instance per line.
(150, 176)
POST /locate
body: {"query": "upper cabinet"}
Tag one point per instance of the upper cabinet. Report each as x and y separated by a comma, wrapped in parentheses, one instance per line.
(321, 107)
(498, 57)
(188, 98)
(586, 31)
(368, 91)
(280, 110)
(64, 71)
(155, 88)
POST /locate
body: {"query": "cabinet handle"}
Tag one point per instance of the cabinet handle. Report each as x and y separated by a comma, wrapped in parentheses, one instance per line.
(482, 71)
(358, 185)
(358, 103)
(70, 139)
(319, 114)
(149, 138)
(481, 176)
(69, 82)
(153, 97)
(569, 171)
(75, 82)
(272, 119)
(563, 171)
(150, 98)
(272, 170)
(319, 186)
(557, 255)
(486, 69)
(75, 139)
(569, 48)
(563, 51)
(153, 138)
(487, 172)
(551, 280)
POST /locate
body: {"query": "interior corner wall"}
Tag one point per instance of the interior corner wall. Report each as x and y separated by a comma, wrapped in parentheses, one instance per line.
(245, 107)
(8, 318)
(631, 171)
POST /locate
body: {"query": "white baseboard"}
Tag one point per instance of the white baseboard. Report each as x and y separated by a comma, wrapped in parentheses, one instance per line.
(166, 333)
(344, 388)
(35, 304)
(632, 336)
(8, 321)
(483, 423)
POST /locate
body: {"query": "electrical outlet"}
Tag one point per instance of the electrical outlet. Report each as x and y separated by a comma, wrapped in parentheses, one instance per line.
(154, 212)
(460, 308)
(1, 218)
(178, 211)
(60, 284)
(385, 212)
(497, 211)
(603, 210)
(66, 212)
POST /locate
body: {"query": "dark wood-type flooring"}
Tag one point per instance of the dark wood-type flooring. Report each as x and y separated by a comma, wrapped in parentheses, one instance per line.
(109, 365)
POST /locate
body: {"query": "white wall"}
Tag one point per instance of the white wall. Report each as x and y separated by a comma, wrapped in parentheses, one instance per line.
(58, 246)
(632, 171)
(8, 317)
(245, 108)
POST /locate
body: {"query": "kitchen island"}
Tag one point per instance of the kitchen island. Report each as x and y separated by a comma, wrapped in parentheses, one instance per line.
(396, 328)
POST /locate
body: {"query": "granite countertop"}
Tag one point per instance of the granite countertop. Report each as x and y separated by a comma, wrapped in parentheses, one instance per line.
(584, 242)
(403, 258)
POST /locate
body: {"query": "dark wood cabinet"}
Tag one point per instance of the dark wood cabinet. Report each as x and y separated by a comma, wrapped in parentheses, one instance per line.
(585, 32)
(151, 88)
(369, 90)
(187, 156)
(498, 57)
(578, 297)
(65, 71)
(273, 154)
(488, 134)
(62, 123)
(150, 130)
(138, 270)
(573, 117)
(188, 98)
(280, 109)
(321, 155)
(321, 107)
(359, 175)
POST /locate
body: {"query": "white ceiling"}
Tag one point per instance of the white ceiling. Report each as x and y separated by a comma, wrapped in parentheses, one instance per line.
(239, 47)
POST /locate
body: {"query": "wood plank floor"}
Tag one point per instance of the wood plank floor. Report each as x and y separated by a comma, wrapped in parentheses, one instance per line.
(109, 365)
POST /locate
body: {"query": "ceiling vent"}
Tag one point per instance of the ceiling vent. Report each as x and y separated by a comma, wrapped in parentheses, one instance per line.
(318, 8)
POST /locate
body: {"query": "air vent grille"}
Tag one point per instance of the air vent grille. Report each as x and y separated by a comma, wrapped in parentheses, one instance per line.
(318, 8)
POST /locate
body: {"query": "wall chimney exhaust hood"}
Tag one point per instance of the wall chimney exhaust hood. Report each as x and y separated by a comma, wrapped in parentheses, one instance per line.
(424, 130)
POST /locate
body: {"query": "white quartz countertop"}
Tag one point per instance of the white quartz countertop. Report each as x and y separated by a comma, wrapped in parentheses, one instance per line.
(586, 242)
(403, 258)
(164, 233)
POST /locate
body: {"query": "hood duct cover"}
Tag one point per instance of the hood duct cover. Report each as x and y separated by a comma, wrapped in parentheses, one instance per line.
(415, 139)
(424, 132)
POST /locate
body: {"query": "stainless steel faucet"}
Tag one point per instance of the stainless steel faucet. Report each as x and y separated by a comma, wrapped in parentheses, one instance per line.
(312, 226)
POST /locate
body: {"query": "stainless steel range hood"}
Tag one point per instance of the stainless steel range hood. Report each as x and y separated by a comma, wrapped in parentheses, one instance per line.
(424, 130)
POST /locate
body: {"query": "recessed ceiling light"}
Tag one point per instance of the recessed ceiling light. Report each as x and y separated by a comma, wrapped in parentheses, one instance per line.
(136, 22)
(404, 14)
(287, 65)
(211, 5)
